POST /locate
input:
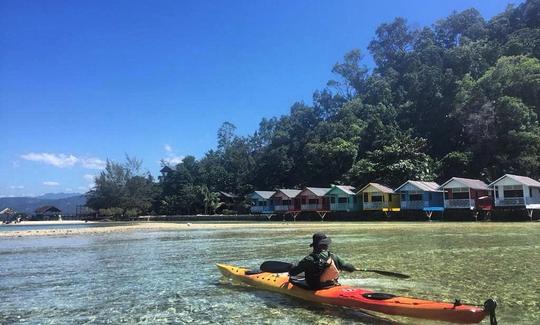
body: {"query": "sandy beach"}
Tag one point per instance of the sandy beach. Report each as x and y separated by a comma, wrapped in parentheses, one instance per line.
(151, 226)
(103, 228)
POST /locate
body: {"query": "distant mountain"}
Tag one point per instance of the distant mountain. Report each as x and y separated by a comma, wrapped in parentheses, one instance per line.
(27, 205)
(56, 196)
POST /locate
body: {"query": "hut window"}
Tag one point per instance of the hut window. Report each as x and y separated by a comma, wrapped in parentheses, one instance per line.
(530, 191)
(415, 197)
(313, 201)
(286, 202)
(376, 198)
(497, 192)
(262, 203)
(342, 200)
(430, 196)
(513, 191)
(403, 197)
(366, 197)
(332, 199)
(303, 200)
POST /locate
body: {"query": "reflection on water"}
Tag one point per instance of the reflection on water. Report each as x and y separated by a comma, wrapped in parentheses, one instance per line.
(170, 277)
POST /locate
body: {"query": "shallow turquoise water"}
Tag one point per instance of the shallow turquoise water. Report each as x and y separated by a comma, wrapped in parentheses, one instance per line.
(170, 277)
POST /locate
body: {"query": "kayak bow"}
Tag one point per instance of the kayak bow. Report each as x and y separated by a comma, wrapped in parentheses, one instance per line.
(348, 296)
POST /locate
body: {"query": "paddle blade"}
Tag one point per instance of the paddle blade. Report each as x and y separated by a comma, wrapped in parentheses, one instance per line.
(388, 273)
(275, 267)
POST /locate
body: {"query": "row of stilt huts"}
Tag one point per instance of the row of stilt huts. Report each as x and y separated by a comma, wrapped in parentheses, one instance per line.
(457, 196)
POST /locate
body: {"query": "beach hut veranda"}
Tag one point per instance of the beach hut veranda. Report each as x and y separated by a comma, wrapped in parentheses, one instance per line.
(261, 202)
(514, 191)
(285, 200)
(466, 193)
(377, 197)
(343, 198)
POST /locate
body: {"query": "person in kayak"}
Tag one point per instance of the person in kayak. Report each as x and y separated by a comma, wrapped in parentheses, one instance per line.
(321, 268)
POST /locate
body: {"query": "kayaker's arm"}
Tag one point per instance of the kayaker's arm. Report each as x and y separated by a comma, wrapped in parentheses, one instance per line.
(342, 265)
(301, 266)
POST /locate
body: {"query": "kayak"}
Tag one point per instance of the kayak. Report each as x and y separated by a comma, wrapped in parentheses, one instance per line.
(342, 295)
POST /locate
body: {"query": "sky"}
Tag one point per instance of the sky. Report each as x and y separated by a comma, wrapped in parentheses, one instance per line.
(86, 81)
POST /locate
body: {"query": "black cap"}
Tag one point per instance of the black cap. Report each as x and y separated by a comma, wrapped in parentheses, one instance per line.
(318, 238)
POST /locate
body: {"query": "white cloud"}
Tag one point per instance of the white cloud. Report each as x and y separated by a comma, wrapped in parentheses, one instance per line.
(173, 160)
(51, 183)
(57, 160)
(62, 160)
(89, 177)
(92, 163)
(16, 187)
(168, 148)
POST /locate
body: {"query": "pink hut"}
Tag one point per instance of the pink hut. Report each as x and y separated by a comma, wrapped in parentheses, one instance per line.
(314, 199)
(466, 193)
(285, 200)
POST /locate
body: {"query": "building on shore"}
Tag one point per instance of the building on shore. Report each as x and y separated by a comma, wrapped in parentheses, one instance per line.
(467, 193)
(343, 198)
(261, 202)
(422, 196)
(516, 192)
(377, 197)
(230, 202)
(48, 212)
(314, 199)
(285, 200)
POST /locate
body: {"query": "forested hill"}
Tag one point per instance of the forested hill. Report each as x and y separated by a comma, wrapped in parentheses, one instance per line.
(458, 98)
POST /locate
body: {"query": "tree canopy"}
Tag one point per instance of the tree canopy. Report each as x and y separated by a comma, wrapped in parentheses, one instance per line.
(458, 98)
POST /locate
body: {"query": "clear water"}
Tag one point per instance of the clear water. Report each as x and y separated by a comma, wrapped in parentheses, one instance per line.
(25, 227)
(170, 277)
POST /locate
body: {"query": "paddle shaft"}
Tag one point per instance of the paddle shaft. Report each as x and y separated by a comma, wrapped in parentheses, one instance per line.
(282, 267)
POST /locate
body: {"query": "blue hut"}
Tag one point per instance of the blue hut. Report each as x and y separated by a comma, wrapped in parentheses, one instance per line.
(419, 195)
(261, 202)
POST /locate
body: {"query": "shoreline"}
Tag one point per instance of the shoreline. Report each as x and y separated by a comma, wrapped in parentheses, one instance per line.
(96, 228)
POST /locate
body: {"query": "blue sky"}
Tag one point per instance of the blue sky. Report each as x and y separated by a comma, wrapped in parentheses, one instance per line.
(83, 81)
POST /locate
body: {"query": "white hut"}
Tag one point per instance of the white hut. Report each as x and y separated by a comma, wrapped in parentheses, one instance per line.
(516, 191)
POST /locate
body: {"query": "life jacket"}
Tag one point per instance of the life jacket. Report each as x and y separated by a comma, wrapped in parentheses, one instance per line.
(326, 271)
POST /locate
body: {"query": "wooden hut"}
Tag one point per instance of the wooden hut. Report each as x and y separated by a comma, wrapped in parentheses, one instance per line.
(423, 196)
(514, 191)
(466, 193)
(343, 198)
(377, 197)
(260, 202)
(285, 200)
(47, 212)
(229, 201)
(313, 199)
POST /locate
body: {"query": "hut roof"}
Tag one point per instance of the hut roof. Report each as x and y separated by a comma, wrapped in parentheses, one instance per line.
(229, 195)
(7, 211)
(319, 191)
(424, 186)
(289, 192)
(520, 179)
(47, 208)
(166, 169)
(469, 182)
(347, 189)
(381, 188)
(264, 194)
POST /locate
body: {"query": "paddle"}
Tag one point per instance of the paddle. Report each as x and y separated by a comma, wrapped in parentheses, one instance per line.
(282, 267)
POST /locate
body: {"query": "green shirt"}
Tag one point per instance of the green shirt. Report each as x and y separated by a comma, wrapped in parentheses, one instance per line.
(313, 265)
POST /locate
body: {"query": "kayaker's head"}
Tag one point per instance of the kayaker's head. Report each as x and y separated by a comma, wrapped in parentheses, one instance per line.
(320, 241)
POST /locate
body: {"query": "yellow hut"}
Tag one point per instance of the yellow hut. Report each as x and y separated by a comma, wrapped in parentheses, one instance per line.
(377, 197)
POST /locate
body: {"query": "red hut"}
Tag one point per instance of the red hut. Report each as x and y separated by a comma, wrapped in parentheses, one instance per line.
(313, 199)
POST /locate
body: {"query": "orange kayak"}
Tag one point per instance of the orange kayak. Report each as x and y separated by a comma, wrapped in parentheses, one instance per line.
(348, 296)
